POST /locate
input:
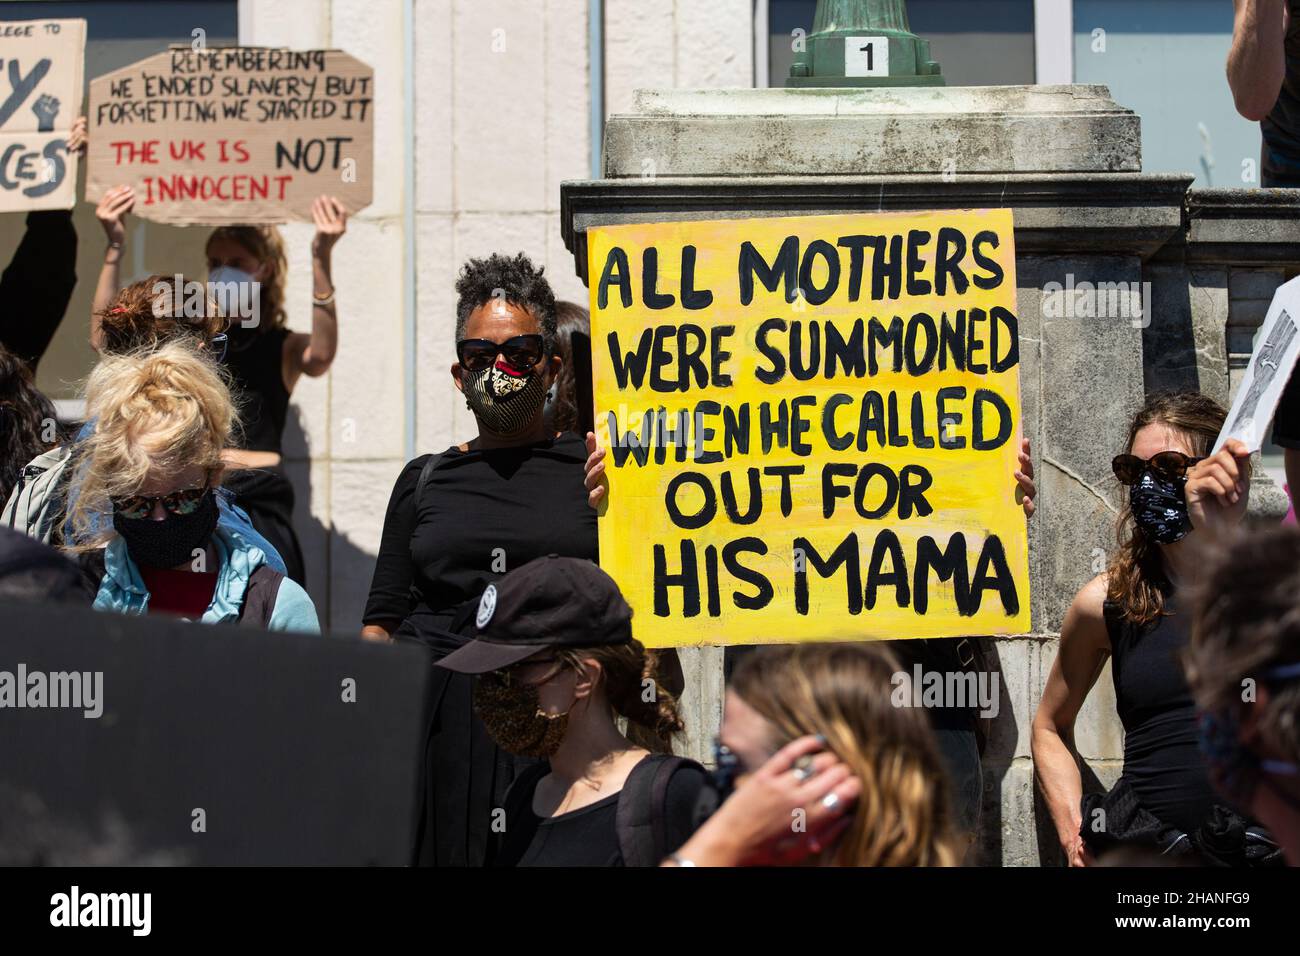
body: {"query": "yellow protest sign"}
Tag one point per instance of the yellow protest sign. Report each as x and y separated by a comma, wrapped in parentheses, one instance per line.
(812, 426)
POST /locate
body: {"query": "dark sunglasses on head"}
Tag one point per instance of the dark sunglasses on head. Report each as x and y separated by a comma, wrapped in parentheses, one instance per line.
(1169, 465)
(521, 352)
(180, 503)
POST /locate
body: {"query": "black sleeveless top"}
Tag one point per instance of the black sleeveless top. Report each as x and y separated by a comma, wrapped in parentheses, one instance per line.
(1162, 761)
(1281, 128)
(256, 364)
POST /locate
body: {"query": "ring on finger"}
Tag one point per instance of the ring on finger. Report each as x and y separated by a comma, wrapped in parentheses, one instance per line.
(831, 801)
(803, 768)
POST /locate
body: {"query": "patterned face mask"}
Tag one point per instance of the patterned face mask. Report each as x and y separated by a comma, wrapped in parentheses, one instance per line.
(1160, 508)
(505, 401)
(515, 720)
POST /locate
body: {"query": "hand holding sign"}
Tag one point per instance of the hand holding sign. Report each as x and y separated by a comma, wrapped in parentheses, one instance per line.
(77, 138)
(1217, 487)
(1025, 479)
(594, 475)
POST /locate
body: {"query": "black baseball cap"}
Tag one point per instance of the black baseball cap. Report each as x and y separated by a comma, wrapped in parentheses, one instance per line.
(549, 602)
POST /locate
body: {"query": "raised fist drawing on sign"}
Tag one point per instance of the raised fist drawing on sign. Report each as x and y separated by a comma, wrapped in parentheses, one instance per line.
(46, 108)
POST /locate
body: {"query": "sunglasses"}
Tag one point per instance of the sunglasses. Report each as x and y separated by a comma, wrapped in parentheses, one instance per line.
(511, 676)
(1169, 465)
(179, 503)
(218, 345)
(521, 352)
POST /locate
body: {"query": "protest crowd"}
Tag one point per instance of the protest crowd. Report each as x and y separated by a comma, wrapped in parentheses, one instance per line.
(551, 702)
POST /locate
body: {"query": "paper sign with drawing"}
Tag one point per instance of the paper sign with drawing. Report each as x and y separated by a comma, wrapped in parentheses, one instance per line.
(1276, 348)
(41, 69)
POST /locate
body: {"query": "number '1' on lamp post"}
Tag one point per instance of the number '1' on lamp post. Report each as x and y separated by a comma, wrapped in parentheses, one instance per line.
(857, 43)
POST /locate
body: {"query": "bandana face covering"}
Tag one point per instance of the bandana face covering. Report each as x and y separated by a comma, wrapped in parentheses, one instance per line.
(1160, 508)
(172, 541)
(515, 720)
(504, 400)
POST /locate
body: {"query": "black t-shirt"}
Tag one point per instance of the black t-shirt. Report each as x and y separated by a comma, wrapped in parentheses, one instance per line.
(1280, 129)
(482, 514)
(1162, 759)
(589, 836)
(256, 363)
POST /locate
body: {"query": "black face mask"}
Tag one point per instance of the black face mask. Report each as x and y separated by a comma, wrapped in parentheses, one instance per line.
(1160, 508)
(172, 541)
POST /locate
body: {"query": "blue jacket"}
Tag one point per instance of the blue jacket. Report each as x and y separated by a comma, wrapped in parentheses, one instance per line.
(229, 516)
(123, 590)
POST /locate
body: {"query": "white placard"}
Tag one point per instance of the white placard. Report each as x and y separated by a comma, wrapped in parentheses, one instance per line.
(1277, 345)
(866, 56)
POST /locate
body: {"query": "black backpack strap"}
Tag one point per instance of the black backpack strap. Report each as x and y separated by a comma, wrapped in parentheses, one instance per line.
(420, 483)
(640, 819)
(259, 597)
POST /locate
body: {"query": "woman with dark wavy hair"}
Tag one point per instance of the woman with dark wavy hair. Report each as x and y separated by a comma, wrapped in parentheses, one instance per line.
(28, 426)
(1135, 614)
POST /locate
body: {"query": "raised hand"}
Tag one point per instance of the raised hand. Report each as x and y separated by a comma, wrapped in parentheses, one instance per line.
(111, 212)
(331, 221)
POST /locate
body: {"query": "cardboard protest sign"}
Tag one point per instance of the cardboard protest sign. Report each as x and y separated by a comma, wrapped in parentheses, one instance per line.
(43, 63)
(812, 426)
(235, 134)
(1271, 363)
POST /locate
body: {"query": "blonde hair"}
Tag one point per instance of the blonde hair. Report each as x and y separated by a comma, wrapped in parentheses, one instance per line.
(844, 692)
(265, 245)
(165, 409)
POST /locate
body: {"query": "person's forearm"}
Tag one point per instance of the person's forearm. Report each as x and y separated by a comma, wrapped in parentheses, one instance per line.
(324, 319)
(1257, 59)
(105, 289)
(1059, 781)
